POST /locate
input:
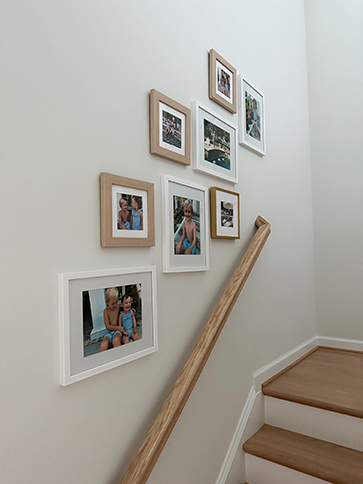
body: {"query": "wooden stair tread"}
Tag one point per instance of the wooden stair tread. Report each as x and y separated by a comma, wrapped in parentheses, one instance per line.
(326, 378)
(324, 460)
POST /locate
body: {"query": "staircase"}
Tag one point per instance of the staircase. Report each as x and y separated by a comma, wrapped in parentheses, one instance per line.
(314, 423)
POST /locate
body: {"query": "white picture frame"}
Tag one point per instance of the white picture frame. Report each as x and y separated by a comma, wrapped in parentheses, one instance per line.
(215, 144)
(80, 355)
(251, 115)
(181, 255)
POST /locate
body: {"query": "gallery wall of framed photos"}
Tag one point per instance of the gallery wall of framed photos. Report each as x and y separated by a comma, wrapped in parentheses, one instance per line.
(77, 82)
(191, 214)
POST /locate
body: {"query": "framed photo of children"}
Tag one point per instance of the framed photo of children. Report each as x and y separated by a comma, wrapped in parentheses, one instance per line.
(225, 217)
(215, 144)
(127, 212)
(169, 128)
(251, 117)
(222, 82)
(107, 318)
(185, 226)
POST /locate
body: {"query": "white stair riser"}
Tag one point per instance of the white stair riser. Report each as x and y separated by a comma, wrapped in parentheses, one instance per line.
(261, 471)
(315, 422)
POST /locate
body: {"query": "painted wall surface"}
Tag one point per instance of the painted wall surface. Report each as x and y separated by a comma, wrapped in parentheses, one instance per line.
(335, 74)
(75, 85)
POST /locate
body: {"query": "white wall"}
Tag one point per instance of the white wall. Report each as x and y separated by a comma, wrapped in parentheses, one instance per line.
(335, 77)
(74, 102)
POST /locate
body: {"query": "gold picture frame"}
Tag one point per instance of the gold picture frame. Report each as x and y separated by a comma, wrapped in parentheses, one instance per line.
(225, 214)
(135, 227)
(222, 82)
(169, 128)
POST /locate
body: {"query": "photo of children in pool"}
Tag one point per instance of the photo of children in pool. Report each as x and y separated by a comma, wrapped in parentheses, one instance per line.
(223, 82)
(186, 226)
(226, 214)
(253, 117)
(130, 212)
(172, 129)
(111, 317)
(217, 145)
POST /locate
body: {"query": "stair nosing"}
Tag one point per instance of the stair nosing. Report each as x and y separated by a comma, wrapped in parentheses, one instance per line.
(293, 383)
(300, 444)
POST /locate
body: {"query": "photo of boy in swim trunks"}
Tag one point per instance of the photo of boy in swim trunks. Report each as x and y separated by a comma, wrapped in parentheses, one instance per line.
(186, 226)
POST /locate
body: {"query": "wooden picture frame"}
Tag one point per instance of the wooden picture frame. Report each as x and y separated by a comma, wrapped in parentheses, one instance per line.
(140, 229)
(222, 82)
(169, 128)
(225, 214)
(251, 117)
(86, 348)
(179, 253)
(215, 144)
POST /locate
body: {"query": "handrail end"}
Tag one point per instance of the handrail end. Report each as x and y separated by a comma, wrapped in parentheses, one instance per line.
(261, 221)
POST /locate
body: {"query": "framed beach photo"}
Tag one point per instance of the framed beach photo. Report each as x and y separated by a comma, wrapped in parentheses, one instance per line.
(222, 82)
(215, 143)
(225, 214)
(251, 117)
(127, 212)
(107, 318)
(169, 128)
(185, 226)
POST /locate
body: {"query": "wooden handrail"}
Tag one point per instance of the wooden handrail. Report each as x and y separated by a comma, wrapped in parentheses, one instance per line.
(148, 454)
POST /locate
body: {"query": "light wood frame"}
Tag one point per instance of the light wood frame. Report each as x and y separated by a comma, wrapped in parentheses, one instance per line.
(110, 235)
(172, 188)
(217, 230)
(74, 365)
(217, 63)
(201, 163)
(157, 144)
(245, 139)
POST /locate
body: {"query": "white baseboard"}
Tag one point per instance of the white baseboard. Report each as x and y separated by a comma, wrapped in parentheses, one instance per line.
(267, 372)
(346, 344)
(236, 439)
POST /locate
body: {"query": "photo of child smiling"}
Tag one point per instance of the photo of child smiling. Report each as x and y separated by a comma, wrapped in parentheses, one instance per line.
(130, 212)
(112, 317)
(186, 226)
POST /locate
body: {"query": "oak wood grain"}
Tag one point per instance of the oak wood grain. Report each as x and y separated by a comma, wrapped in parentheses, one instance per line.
(156, 98)
(324, 460)
(327, 378)
(149, 452)
(107, 180)
(213, 58)
(275, 377)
